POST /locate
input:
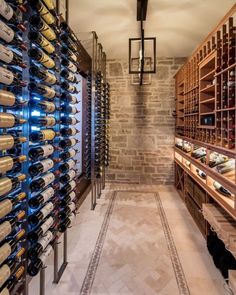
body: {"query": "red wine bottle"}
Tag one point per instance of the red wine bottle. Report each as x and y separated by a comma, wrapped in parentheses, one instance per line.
(36, 218)
(34, 235)
(38, 184)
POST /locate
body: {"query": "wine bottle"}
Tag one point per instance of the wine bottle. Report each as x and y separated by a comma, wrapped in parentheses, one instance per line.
(41, 167)
(50, 4)
(41, 57)
(9, 78)
(8, 141)
(9, 14)
(8, 183)
(46, 106)
(43, 90)
(10, 57)
(68, 76)
(41, 41)
(217, 159)
(41, 151)
(67, 188)
(221, 189)
(42, 27)
(42, 198)
(67, 199)
(68, 177)
(8, 267)
(69, 109)
(8, 225)
(41, 214)
(66, 39)
(201, 173)
(10, 37)
(226, 167)
(66, 211)
(10, 284)
(69, 154)
(69, 65)
(35, 266)
(42, 135)
(34, 235)
(67, 166)
(37, 249)
(43, 121)
(66, 97)
(9, 246)
(8, 120)
(69, 142)
(69, 131)
(65, 224)
(44, 75)
(69, 120)
(68, 87)
(8, 99)
(7, 205)
(38, 184)
(38, 6)
(7, 162)
(66, 51)
(64, 27)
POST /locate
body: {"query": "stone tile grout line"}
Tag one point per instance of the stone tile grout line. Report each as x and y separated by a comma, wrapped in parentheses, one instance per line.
(94, 261)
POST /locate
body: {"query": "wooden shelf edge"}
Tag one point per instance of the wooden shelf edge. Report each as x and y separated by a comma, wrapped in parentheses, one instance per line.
(231, 211)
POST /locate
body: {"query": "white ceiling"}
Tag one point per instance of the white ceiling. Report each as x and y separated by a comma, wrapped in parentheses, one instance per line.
(178, 25)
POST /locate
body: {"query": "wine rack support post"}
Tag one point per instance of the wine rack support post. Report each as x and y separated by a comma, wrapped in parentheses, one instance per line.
(58, 272)
(55, 264)
(42, 281)
(94, 69)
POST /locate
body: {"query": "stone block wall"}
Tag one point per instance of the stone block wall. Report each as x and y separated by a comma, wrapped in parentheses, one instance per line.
(141, 125)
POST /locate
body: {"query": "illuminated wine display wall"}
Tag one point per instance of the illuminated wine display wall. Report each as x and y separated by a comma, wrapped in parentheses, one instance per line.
(45, 139)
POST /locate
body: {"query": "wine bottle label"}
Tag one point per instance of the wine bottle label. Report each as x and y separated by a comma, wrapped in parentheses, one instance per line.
(72, 207)
(47, 61)
(7, 120)
(6, 54)
(7, 98)
(217, 185)
(72, 218)
(6, 164)
(50, 78)
(44, 241)
(73, 56)
(73, 184)
(73, 131)
(71, 164)
(47, 224)
(6, 142)
(6, 76)
(51, 121)
(73, 141)
(47, 164)
(5, 230)
(6, 33)
(5, 273)
(49, 4)
(5, 185)
(48, 134)
(48, 149)
(48, 178)
(46, 15)
(47, 32)
(47, 46)
(5, 207)
(47, 194)
(5, 251)
(50, 107)
(73, 100)
(72, 196)
(72, 174)
(5, 10)
(73, 121)
(72, 153)
(47, 209)
(72, 67)
(45, 254)
(73, 110)
(47, 91)
(71, 88)
(5, 291)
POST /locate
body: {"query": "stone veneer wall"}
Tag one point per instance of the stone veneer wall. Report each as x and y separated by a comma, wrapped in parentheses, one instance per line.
(141, 125)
